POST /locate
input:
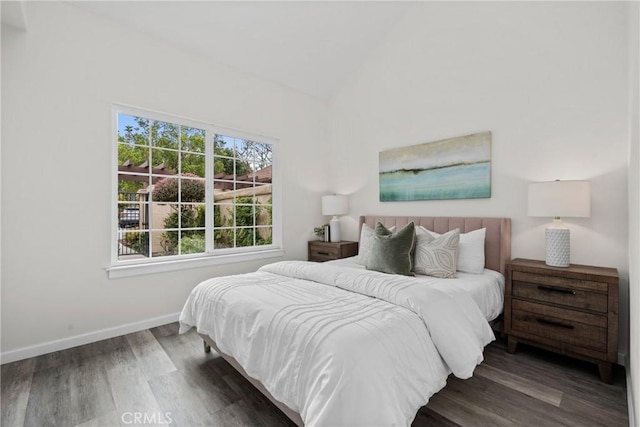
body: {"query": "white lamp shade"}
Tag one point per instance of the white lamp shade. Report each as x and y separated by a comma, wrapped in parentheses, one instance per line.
(560, 199)
(335, 205)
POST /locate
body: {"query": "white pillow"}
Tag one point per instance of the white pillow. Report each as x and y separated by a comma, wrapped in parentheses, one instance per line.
(471, 252)
(436, 256)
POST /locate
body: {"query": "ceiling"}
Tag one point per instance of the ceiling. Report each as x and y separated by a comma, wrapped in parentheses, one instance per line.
(14, 14)
(310, 46)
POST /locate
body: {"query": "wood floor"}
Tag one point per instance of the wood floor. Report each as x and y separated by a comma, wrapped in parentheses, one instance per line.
(157, 377)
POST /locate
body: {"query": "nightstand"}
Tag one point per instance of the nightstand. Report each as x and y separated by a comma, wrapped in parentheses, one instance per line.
(326, 251)
(572, 311)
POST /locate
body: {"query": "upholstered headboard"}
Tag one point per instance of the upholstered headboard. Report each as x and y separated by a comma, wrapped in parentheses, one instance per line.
(497, 248)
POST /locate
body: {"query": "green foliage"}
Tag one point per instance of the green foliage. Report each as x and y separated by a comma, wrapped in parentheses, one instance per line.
(223, 160)
(191, 217)
(136, 140)
(157, 142)
(244, 237)
(193, 164)
(135, 153)
(269, 211)
(193, 240)
(319, 230)
(166, 190)
(192, 139)
(200, 218)
(139, 242)
(192, 244)
(138, 134)
(246, 216)
(222, 238)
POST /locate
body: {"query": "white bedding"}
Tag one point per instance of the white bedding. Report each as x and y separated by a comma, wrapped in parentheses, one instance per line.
(486, 289)
(341, 346)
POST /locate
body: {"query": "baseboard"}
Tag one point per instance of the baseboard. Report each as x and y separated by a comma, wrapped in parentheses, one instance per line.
(87, 338)
(630, 402)
(623, 359)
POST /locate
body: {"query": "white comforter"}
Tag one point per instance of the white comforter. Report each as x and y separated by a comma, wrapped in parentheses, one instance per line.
(341, 346)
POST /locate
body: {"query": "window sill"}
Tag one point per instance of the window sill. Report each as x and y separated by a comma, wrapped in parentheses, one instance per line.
(128, 270)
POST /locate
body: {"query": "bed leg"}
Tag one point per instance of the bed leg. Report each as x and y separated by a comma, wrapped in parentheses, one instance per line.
(207, 347)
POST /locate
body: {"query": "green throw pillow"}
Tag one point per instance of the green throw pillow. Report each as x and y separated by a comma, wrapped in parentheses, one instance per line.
(392, 252)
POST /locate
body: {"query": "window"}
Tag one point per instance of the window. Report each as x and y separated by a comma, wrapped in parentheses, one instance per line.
(190, 191)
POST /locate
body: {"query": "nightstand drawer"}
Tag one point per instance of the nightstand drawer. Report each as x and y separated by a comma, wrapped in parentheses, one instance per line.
(328, 251)
(580, 294)
(561, 325)
(324, 253)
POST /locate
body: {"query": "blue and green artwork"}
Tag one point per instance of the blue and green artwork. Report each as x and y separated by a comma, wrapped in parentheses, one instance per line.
(455, 168)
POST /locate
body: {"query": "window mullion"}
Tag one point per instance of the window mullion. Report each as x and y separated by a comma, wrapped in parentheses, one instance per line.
(209, 190)
(179, 178)
(150, 191)
(234, 207)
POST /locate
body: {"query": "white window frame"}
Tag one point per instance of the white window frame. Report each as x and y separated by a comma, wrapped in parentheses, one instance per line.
(125, 268)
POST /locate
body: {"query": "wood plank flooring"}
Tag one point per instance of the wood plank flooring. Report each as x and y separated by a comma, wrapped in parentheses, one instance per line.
(158, 377)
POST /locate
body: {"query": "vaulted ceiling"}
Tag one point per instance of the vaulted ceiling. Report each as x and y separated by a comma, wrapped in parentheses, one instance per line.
(311, 46)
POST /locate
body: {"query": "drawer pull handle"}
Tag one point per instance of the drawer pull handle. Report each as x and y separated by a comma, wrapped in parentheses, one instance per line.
(323, 253)
(559, 290)
(552, 323)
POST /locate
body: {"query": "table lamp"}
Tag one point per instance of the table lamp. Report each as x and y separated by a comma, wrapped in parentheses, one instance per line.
(334, 205)
(559, 199)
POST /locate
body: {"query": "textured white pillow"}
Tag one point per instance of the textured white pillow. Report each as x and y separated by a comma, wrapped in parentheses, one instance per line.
(471, 253)
(436, 256)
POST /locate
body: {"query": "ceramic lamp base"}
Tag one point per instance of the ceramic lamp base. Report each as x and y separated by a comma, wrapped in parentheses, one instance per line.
(557, 246)
(334, 226)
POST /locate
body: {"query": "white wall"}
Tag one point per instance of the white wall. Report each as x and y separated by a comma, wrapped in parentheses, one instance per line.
(548, 79)
(59, 80)
(634, 211)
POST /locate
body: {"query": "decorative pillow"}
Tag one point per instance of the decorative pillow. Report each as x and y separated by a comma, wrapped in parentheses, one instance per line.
(391, 252)
(366, 236)
(437, 256)
(471, 252)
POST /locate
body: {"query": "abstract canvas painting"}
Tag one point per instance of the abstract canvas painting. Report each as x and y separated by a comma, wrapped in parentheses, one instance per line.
(454, 168)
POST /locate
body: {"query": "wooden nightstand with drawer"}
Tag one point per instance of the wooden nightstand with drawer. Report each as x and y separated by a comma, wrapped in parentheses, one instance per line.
(326, 251)
(572, 311)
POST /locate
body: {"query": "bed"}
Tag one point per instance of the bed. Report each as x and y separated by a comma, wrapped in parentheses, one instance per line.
(336, 344)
